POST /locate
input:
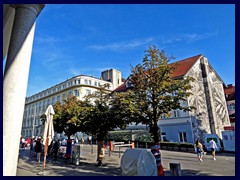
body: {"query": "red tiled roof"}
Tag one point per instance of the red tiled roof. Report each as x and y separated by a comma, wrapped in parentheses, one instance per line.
(183, 66)
(120, 88)
(229, 90)
(231, 96)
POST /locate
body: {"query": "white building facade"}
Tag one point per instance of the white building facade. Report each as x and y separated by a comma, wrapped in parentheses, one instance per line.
(78, 86)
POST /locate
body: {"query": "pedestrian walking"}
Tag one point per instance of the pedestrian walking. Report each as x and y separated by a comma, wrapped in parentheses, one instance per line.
(23, 143)
(50, 149)
(38, 150)
(155, 149)
(31, 146)
(213, 146)
(34, 144)
(55, 149)
(82, 141)
(76, 140)
(199, 150)
(89, 139)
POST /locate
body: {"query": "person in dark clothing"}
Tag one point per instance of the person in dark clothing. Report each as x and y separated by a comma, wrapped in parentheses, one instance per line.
(38, 149)
(55, 149)
(155, 149)
(50, 149)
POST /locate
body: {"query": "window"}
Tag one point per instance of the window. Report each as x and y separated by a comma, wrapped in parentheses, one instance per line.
(86, 81)
(76, 93)
(58, 98)
(87, 92)
(53, 100)
(70, 93)
(79, 81)
(175, 114)
(90, 82)
(182, 136)
(36, 109)
(231, 107)
(32, 110)
(40, 106)
(44, 103)
(163, 136)
(128, 84)
(48, 102)
(95, 83)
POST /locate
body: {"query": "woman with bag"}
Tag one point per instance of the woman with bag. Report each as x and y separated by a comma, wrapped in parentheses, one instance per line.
(199, 149)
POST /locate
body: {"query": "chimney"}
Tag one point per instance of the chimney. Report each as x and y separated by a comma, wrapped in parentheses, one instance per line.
(230, 85)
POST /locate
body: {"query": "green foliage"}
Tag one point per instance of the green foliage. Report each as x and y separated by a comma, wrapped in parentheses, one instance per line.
(122, 108)
(126, 135)
(104, 116)
(69, 115)
(155, 91)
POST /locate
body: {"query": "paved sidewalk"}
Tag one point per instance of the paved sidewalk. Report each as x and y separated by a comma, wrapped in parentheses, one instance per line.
(28, 166)
(223, 166)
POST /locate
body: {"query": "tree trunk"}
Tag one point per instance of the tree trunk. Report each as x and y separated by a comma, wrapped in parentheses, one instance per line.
(154, 130)
(100, 152)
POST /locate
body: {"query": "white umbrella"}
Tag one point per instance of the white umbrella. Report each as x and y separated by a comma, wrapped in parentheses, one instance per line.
(48, 131)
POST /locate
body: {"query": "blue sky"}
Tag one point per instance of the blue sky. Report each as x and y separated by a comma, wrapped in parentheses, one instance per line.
(86, 39)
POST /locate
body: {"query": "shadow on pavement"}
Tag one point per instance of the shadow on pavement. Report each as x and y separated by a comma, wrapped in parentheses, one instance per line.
(188, 172)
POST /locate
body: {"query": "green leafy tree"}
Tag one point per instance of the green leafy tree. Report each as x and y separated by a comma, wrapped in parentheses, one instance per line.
(122, 108)
(69, 115)
(102, 118)
(155, 90)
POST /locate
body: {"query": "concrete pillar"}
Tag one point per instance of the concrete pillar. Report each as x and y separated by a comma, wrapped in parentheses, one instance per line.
(8, 18)
(15, 82)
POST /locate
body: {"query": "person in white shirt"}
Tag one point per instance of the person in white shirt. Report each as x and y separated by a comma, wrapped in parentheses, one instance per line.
(76, 140)
(213, 147)
(23, 143)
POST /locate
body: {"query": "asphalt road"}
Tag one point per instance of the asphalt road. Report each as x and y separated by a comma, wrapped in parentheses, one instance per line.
(223, 166)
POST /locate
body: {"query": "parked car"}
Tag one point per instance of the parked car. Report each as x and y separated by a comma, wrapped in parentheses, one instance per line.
(207, 138)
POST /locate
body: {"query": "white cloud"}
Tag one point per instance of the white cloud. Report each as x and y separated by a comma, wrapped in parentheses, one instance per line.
(189, 38)
(119, 46)
(195, 37)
